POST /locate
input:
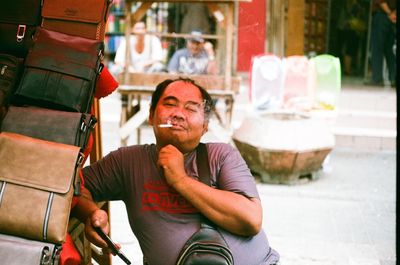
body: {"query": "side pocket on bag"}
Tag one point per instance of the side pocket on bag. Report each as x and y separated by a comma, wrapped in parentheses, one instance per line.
(54, 90)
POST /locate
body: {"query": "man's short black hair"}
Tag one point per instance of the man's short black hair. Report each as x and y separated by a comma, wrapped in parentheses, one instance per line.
(163, 85)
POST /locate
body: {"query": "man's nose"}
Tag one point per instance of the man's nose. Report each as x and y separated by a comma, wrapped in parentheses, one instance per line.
(179, 112)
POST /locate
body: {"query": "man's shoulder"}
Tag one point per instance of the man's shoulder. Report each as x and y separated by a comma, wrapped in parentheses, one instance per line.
(135, 149)
(152, 38)
(182, 52)
(219, 148)
(217, 145)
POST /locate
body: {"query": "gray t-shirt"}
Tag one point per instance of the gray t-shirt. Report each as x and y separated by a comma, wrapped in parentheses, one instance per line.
(161, 219)
(184, 62)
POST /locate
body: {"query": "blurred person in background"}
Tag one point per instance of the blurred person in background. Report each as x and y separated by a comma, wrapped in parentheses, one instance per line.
(352, 25)
(383, 34)
(197, 58)
(145, 51)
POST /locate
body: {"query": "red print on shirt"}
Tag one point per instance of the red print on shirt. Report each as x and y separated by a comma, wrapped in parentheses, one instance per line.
(158, 196)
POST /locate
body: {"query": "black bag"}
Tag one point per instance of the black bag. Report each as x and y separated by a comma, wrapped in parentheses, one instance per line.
(52, 125)
(18, 22)
(10, 69)
(60, 72)
(206, 246)
(17, 251)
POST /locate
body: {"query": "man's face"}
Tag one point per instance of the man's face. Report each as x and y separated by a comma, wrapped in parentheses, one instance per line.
(181, 105)
(194, 47)
(139, 28)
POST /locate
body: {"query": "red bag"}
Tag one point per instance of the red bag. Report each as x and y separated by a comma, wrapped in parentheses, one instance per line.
(69, 254)
(106, 84)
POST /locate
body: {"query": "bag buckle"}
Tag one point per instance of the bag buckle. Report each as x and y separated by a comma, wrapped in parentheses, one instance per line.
(3, 69)
(101, 55)
(83, 127)
(21, 32)
(77, 181)
(92, 122)
(100, 68)
(79, 161)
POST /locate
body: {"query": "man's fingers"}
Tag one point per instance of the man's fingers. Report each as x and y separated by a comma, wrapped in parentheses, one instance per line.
(106, 251)
(98, 218)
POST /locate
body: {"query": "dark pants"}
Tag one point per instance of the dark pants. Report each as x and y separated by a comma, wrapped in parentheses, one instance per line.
(382, 41)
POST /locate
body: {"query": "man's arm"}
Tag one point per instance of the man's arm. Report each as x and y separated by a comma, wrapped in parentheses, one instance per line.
(87, 211)
(229, 210)
(156, 51)
(233, 212)
(391, 13)
(119, 58)
(212, 67)
(173, 64)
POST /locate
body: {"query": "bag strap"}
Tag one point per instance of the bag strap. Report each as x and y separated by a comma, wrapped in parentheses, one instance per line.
(203, 168)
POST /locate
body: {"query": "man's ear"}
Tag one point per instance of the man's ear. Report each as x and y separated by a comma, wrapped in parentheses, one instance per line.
(205, 127)
(150, 119)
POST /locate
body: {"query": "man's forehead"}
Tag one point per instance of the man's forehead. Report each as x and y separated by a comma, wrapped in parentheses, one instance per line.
(181, 89)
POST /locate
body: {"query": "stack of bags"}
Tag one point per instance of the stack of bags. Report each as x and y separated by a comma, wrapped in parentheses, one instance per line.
(51, 55)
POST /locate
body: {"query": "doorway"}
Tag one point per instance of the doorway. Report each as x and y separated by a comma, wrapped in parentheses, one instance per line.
(348, 35)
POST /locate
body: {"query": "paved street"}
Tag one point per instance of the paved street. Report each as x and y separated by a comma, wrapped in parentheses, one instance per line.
(346, 217)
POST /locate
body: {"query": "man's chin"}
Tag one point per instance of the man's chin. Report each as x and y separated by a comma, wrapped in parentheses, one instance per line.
(182, 145)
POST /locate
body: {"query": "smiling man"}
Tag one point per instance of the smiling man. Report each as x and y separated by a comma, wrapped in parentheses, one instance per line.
(159, 184)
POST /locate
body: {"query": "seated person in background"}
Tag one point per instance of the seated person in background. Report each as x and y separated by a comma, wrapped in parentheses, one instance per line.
(145, 51)
(196, 58)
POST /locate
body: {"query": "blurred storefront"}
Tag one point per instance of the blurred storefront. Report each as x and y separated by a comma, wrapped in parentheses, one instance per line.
(292, 27)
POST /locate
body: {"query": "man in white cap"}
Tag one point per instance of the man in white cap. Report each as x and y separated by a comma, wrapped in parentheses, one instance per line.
(197, 58)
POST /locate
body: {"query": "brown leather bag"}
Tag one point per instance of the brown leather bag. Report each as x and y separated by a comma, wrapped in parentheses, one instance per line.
(18, 22)
(76, 17)
(60, 72)
(37, 180)
(65, 127)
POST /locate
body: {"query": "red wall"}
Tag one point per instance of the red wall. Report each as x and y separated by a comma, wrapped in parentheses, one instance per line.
(251, 32)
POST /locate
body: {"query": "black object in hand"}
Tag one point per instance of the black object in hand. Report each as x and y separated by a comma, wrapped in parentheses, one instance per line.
(111, 245)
